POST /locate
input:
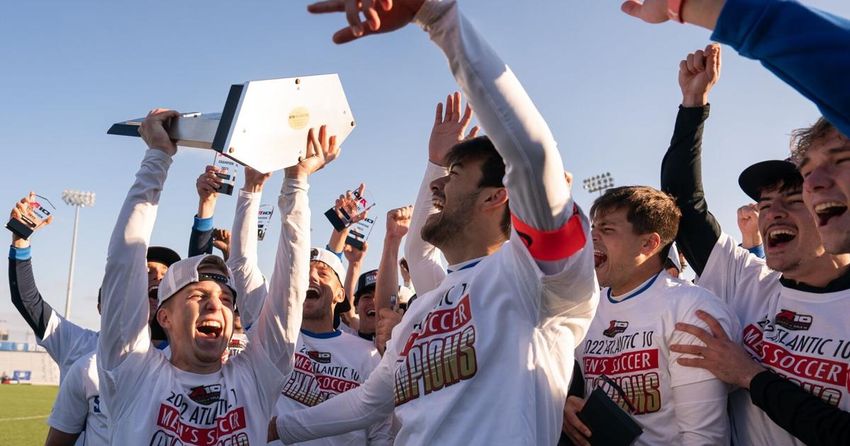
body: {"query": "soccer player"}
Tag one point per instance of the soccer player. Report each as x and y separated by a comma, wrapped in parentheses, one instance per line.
(629, 338)
(192, 397)
(486, 356)
(822, 153)
(792, 304)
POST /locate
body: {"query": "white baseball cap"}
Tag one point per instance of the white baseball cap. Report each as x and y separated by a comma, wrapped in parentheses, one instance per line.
(185, 272)
(330, 259)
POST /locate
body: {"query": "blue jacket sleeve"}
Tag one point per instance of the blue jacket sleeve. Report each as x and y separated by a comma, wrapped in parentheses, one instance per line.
(201, 239)
(805, 47)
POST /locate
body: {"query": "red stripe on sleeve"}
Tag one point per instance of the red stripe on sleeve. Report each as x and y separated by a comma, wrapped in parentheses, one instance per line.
(552, 245)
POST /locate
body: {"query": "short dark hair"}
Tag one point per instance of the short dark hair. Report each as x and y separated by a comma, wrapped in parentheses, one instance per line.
(647, 209)
(782, 185)
(492, 167)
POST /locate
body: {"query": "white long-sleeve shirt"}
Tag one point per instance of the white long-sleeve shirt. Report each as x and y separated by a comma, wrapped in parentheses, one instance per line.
(485, 357)
(344, 361)
(152, 402)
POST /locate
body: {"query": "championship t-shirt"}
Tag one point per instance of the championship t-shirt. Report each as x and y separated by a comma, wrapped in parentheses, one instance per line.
(802, 336)
(327, 364)
(168, 406)
(78, 406)
(494, 341)
(629, 343)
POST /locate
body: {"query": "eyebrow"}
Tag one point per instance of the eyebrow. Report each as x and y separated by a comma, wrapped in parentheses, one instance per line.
(830, 151)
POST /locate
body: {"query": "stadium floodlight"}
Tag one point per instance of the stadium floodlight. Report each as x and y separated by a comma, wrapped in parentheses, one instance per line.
(77, 199)
(598, 183)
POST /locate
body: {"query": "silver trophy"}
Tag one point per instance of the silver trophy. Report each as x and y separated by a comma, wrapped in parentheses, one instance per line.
(264, 123)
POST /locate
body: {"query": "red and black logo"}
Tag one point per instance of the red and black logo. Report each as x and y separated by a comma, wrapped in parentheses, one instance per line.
(615, 328)
(206, 394)
(793, 321)
(320, 357)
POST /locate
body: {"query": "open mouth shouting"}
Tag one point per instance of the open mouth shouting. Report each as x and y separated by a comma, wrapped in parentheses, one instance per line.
(209, 330)
(778, 236)
(599, 258)
(313, 293)
(826, 211)
(370, 313)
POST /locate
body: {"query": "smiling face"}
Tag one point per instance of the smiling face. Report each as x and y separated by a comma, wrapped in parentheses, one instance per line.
(825, 167)
(199, 321)
(454, 196)
(156, 271)
(790, 236)
(366, 311)
(324, 292)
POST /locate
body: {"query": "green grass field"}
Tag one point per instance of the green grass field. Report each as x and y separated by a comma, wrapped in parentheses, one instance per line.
(23, 414)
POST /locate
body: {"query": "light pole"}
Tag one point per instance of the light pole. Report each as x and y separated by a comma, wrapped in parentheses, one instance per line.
(77, 199)
(598, 183)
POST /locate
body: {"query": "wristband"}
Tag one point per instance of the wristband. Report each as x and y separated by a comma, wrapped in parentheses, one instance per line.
(674, 10)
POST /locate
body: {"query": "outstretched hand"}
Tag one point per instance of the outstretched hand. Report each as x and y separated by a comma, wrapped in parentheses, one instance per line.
(321, 150)
(697, 75)
(721, 356)
(348, 203)
(449, 128)
(382, 16)
(703, 13)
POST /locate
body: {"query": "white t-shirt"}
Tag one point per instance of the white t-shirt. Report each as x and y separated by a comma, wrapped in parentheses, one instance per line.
(67, 342)
(327, 365)
(152, 402)
(78, 406)
(802, 336)
(628, 341)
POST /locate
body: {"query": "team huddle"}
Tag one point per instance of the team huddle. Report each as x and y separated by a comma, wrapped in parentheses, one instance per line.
(543, 307)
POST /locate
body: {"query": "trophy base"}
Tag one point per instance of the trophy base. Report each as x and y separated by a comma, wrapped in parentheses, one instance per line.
(19, 228)
(226, 189)
(354, 243)
(337, 222)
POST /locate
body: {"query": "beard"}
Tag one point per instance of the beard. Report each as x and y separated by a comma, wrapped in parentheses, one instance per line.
(448, 225)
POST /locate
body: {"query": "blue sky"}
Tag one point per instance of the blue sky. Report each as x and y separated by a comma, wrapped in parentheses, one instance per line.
(605, 82)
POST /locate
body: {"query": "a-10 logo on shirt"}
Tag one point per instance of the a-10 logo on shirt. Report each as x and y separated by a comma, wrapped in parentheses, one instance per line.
(200, 417)
(818, 364)
(630, 360)
(440, 351)
(314, 379)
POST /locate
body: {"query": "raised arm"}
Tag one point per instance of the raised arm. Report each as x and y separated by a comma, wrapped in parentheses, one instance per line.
(423, 259)
(251, 285)
(63, 340)
(22, 288)
(352, 274)
(279, 320)
(813, 60)
(398, 222)
(681, 169)
(201, 239)
(124, 303)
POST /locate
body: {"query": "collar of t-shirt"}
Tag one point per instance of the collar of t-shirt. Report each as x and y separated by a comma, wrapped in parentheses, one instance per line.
(325, 335)
(469, 264)
(634, 292)
(841, 283)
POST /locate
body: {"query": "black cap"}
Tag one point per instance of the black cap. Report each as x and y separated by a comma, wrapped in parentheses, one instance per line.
(161, 254)
(365, 283)
(767, 173)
